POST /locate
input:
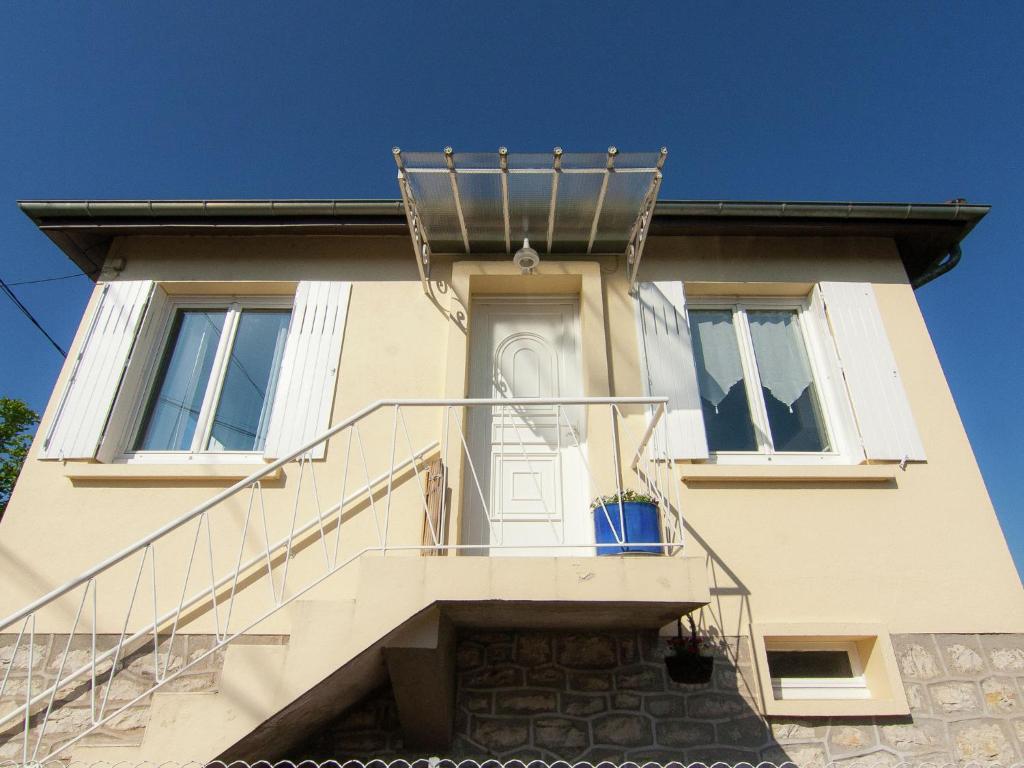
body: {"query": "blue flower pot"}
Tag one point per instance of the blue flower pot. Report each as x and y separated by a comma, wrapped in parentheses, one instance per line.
(642, 525)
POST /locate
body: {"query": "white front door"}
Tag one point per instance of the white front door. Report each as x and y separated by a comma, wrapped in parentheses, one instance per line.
(527, 492)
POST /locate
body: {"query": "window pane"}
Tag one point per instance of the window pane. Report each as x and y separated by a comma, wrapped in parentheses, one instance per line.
(243, 411)
(809, 664)
(173, 409)
(794, 414)
(720, 376)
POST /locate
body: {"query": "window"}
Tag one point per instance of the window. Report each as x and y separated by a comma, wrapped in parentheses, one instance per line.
(215, 378)
(756, 378)
(838, 669)
(816, 670)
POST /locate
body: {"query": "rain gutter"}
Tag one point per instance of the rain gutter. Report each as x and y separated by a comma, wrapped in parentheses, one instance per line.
(928, 235)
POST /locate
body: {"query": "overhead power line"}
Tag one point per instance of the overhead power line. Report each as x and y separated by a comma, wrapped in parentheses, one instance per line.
(25, 311)
(47, 279)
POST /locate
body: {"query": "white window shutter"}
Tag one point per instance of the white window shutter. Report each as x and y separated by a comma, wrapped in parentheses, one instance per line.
(86, 402)
(669, 370)
(305, 390)
(832, 382)
(880, 403)
(150, 339)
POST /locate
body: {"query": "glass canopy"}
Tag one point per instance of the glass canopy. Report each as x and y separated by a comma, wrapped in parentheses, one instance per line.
(565, 203)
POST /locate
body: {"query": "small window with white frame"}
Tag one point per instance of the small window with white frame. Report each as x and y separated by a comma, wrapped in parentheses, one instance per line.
(758, 378)
(805, 669)
(211, 383)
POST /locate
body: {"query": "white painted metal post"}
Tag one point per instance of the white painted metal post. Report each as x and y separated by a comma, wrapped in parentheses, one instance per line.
(609, 169)
(449, 158)
(505, 212)
(553, 206)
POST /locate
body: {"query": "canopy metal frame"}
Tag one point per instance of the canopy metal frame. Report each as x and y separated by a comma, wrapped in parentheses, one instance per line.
(503, 170)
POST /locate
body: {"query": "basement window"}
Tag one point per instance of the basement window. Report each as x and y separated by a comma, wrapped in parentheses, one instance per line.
(816, 670)
(836, 669)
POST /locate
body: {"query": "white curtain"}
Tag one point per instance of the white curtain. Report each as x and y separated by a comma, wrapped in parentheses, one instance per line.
(781, 358)
(718, 355)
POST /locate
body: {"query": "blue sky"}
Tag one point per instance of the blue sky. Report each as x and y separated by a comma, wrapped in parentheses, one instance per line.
(815, 101)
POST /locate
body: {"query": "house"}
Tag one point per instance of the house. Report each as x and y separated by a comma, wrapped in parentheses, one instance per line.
(316, 482)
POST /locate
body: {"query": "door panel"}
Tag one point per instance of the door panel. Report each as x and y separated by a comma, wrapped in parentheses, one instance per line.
(525, 486)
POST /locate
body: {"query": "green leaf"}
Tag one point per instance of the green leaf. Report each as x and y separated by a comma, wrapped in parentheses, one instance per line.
(627, 495)
(17, 425)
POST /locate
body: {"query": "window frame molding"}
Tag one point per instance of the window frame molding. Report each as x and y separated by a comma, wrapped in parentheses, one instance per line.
(840, 428)
(887, 695)
(138, 392)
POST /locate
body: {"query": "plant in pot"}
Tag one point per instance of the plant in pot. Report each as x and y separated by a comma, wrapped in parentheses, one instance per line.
(627, 523)
(691, 659)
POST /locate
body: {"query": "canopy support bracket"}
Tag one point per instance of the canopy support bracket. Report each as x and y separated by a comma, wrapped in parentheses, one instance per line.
(420, 244)
(449, 158)
(503, 161)
(552, 207)
(609, 169)
(642, 226)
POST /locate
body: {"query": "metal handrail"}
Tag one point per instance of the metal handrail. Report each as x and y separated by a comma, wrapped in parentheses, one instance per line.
(144, 542)
(656, 469)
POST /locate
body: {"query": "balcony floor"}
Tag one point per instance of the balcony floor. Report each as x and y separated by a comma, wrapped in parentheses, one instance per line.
(549, 592)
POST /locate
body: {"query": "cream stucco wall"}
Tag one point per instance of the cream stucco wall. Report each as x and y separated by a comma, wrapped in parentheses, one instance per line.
(921, 552)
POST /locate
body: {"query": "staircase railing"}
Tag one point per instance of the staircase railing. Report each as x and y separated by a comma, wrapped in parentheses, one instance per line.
(386, 466)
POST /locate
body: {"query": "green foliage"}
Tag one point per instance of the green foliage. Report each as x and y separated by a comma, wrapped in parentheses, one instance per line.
(627, 495)
(17, 421)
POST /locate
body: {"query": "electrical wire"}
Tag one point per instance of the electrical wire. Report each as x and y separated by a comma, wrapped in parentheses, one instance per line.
(25, 311)
(47, 279)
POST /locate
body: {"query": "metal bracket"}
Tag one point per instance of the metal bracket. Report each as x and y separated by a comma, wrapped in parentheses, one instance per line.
(642, 225)
(420, 244)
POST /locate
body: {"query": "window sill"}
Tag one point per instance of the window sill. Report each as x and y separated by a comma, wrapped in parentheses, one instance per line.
(763, 473)
(835, 708)
(202, 473)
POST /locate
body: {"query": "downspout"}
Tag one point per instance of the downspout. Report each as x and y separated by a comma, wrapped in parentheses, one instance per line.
(939, 267)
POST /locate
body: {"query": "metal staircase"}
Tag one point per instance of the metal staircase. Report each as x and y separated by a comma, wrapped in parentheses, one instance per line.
(239, 558)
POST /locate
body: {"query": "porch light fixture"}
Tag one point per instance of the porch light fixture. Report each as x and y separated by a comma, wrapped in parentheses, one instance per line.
(571, 204)
(526, 258)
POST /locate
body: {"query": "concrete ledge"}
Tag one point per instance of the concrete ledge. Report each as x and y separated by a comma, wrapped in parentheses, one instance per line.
(185, 473)
(548, 592)
(765, 473)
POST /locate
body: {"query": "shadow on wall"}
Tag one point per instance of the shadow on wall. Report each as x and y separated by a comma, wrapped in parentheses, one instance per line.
(600, 696)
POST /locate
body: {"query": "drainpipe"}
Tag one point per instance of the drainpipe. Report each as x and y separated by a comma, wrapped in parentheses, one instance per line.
(939, 267)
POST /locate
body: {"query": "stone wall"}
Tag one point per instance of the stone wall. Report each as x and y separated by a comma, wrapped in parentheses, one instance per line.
(594, 696)
(965, 696)
(72, 707)
(605, 696)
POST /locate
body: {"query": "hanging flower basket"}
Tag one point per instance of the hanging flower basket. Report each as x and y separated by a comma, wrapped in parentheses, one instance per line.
(689, 660)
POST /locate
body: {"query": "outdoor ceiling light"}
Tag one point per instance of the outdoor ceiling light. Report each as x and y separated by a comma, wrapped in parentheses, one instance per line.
(526, 258)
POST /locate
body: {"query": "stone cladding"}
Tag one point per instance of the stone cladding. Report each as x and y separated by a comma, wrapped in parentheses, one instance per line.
(72, 707)
(596, 696)
(605, 696)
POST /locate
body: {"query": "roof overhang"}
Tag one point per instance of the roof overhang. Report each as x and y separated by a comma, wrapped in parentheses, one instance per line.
(924, 232)
(479, 204)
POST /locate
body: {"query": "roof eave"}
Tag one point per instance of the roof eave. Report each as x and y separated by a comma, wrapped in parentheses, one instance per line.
(83, 229)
